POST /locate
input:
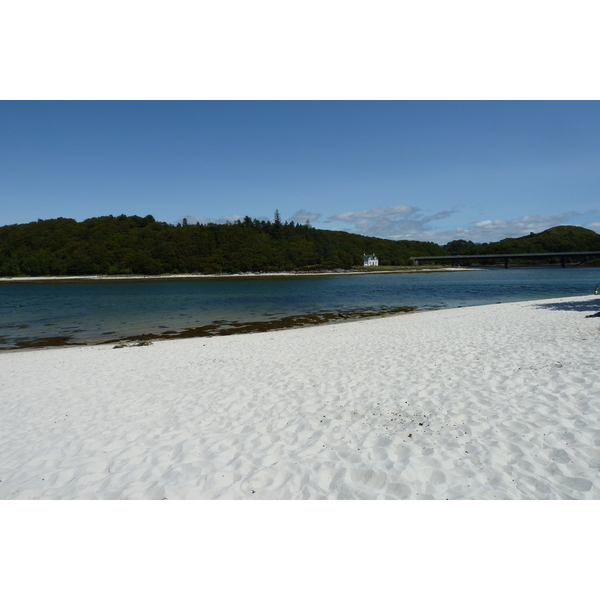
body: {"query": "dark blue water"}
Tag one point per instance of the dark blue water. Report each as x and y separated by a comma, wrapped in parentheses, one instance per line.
(93, 311)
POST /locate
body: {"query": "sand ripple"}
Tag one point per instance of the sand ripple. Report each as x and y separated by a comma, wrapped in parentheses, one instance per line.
(493, 402)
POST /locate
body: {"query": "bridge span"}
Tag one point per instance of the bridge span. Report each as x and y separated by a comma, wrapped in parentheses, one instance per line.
(469, 257)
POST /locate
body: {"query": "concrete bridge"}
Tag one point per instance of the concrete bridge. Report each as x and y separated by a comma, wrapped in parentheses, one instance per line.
(468, 257)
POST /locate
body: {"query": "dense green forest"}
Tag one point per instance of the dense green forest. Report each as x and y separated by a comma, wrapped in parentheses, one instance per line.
(141, 245)
(565, 238)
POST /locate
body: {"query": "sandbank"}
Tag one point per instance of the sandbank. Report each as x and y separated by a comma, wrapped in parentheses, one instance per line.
(226, 275)
(484, 402)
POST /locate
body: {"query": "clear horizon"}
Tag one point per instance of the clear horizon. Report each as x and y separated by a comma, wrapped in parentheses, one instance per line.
(417, 170)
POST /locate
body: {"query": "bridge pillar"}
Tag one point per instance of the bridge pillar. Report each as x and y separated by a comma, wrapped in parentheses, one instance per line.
(506, 260)
(563, 261)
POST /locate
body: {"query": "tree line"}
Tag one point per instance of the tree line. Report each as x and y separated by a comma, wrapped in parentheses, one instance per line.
(126, 245)
(564, 238)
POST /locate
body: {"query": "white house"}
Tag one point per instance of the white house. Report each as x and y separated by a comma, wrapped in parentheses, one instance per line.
(370, 260)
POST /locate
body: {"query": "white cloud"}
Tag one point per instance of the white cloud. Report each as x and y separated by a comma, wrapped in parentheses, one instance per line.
(193, 219)
(366, 216)
(493, 230)
(301, 216)
(409, 223)
(393, 222)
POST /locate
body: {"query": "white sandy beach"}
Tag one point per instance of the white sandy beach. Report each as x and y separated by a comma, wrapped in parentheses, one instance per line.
(489, 402)
(50, 278)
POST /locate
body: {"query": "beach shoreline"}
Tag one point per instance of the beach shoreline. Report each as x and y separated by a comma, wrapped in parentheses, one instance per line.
(224, 328)
(58, 278)
(482, 402)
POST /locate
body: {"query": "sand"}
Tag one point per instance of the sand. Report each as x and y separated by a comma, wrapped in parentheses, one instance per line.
(487, 402)
(376, 271)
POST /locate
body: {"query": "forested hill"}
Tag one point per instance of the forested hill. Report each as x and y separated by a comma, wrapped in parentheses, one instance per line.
(141, 245)
(565, 238)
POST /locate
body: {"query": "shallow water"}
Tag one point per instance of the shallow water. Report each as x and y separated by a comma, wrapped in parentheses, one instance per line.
(98, 310)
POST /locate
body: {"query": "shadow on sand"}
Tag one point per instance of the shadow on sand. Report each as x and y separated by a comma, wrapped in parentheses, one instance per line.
(593, 304)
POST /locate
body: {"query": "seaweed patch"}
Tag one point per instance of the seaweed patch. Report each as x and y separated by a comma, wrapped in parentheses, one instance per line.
(235, 327)
(40, 343)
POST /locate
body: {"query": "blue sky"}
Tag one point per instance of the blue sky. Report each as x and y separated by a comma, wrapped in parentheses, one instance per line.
(425, 170)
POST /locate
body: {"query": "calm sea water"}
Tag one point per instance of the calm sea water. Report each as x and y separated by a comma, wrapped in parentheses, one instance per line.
(94, 311)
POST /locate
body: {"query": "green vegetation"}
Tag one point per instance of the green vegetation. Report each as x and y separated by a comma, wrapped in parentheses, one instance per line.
(140, 245)
(565, 238)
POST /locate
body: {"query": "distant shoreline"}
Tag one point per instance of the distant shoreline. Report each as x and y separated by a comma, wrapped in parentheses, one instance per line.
(51, 278)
